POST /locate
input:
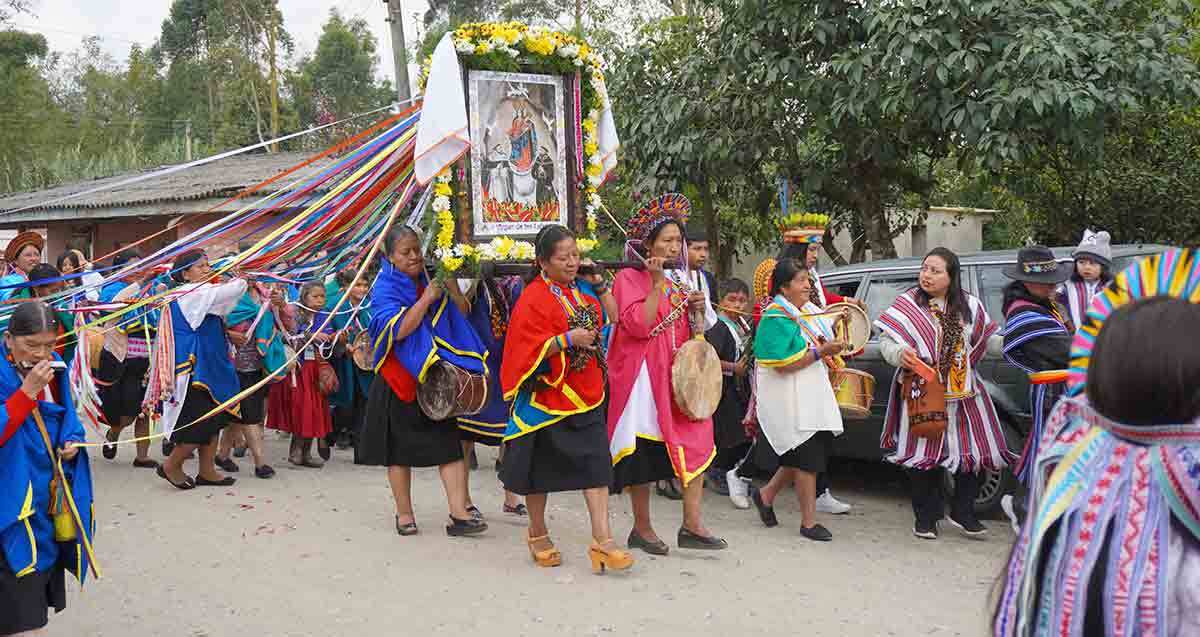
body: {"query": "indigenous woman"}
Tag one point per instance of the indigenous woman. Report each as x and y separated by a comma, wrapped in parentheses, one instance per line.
(1037, 335)
(296, 405)
(72, 262)
(40, 537)
(122, 381)
(351, 320)
(45, 286)
(1112, 544)
(22, 254)
(413, 326)
(939, 330)
(556, 438)
(1092, 271)
(489, 316)
(649, 437)
(797, 410)
(258, 352)
(192, 372)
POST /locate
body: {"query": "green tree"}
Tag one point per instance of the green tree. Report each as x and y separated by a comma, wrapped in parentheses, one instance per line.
(28, 114)
(339, 79)
(893, 85)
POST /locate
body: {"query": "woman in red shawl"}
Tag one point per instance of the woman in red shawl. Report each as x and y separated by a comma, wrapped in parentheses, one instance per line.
(649, 437)
(556, 438)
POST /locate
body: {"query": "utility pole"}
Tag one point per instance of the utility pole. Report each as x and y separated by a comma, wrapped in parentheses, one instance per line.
(187, 140)
(399, 49)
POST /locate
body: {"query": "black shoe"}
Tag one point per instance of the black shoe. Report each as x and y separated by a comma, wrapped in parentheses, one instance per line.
(476, 514)
(969, 526)
(519, 509)
(227, 465)
(459, 528)
(167, 448)
(409, 529)
(343, 442)
(765, 513)
(670, 492)
(925, 531)
(239, 452)
(688, 540)
(817, 533)
(657, 547)
(145, 464)
(323, 451)
(265, 472)
(716, 482)
(109, 450)
(187, 483)
(227, 481)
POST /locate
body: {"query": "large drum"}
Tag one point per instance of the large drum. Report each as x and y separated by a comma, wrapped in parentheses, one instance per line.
(854, 391)
(360, 351)
(856, 331)
(450, 391)
(696, 379)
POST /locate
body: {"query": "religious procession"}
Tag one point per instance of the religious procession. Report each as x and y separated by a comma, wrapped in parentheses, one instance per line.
(453, 283)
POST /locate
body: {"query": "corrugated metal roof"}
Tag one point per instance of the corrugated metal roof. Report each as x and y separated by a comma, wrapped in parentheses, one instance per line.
(222, 178)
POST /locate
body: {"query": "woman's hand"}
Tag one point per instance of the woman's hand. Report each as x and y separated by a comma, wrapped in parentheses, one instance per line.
(36, 379)
(696, 301)
(433, 292)
(582, 338)
(739, 369)
(68, 452)
(321, 337)
(831, 348)
(910, 360)
(654, 265)
(239, 339)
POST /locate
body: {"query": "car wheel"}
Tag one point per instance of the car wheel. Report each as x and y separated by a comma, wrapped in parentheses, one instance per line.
(993, 485)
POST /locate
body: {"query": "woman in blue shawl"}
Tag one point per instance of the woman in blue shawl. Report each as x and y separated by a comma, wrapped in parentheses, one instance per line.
(414, 325)
(34, 558)
(351, 319)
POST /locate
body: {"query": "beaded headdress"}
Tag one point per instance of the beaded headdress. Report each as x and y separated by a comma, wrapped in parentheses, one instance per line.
(656, 212)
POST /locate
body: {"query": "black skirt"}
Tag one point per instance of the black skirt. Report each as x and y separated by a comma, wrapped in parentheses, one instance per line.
(25, 601)
(811, 456)
(728, 431)
(398, 434)
(649, 462)
(472, 436)
(569, 455)
(123, 398)
(253, 407)
(197, 403)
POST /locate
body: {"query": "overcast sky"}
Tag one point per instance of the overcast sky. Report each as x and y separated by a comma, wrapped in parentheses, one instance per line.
(121, 23)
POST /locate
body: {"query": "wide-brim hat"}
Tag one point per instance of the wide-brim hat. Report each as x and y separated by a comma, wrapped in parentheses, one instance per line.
(22, 241)
(1036, 264)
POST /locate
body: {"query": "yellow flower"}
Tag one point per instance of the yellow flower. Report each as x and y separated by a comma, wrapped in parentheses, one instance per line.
(589, 126)
(591, 223)
(443, 190)
(452, 264)
(540, 45)
(586, 245)
(483, 48)
(503, 247)
(468, 250)
(591, 148)
(594, 170)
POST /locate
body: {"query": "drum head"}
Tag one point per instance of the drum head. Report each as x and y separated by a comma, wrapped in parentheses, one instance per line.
(696, 379)
(860, 326)
(362, 351)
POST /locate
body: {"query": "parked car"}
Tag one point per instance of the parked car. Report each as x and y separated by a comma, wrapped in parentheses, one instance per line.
(878, 283)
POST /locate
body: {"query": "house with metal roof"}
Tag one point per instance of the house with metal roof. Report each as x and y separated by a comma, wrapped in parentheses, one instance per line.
(103, 215)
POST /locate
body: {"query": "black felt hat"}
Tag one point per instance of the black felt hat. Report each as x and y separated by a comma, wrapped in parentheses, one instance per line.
(1036, 264)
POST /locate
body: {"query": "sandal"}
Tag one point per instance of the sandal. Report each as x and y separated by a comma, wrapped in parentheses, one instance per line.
(606, 556)
(469, 526)
(264, 472)
(406, 529)
(476, 514)
(227, 465)
(544, 557)
(186, 484)
(519, 509)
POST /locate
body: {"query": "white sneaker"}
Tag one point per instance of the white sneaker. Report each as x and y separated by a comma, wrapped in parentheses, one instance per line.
(1006, 505)
(826, 503)
(739, 491)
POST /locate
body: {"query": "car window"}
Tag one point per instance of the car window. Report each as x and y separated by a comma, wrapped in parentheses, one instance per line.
(991, 287)
(846, 288)
(882, 291)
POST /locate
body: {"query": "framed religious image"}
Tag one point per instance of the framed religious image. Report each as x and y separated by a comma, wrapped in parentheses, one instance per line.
(518, 152)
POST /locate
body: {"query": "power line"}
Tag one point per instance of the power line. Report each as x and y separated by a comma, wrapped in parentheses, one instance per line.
(31, 27)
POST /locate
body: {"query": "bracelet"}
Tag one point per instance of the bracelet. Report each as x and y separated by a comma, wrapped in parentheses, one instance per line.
(567, 338)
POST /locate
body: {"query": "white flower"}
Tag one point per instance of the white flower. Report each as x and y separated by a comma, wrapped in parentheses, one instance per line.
(569, 51)
(486, 253)
(523, 250)
(444, 177)
(457, 250)
(594, 200)
(595, 180)
(578, 62)
(441, 204)
(511, 52)
(595, 160)
(464, 46)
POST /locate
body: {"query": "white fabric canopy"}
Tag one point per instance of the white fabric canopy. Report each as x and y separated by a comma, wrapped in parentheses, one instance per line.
(442, 135)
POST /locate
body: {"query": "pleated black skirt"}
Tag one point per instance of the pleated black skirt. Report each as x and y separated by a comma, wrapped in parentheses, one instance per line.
(649, 462)
(25, 602)
(569, 455)
(197, 403)
(396, 433)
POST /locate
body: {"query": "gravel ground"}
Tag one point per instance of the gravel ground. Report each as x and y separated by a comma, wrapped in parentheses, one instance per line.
(314, 552)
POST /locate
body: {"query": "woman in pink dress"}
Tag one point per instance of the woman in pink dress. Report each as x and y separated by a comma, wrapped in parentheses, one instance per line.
(649, 437)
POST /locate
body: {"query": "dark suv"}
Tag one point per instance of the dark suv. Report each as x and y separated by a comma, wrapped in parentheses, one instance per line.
(878, 283)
